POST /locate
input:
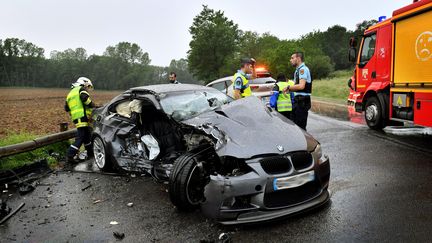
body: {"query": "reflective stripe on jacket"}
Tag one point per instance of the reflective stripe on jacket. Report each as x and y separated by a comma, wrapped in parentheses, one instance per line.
(245, 91)
(284, 100)
(78, 109)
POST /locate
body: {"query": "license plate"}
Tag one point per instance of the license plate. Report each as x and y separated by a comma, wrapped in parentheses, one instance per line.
(293, 181)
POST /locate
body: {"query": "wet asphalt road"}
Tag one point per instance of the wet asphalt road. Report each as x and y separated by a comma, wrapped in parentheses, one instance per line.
(381, 191)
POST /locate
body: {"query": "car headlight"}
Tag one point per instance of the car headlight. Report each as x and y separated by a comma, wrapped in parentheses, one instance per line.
(317, 154)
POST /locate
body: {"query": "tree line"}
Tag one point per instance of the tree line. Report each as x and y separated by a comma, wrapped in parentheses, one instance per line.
(218, 45)
(215, 51)
(121, 66)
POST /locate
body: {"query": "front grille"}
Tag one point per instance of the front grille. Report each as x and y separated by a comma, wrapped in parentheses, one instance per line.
(276, 165)
(292, 196)
(301, 160)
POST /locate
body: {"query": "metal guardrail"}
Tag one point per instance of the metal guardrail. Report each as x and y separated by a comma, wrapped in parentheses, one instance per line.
(36, 143)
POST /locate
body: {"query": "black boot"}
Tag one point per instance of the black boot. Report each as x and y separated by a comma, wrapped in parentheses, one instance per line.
(89, 150)
(71, 160)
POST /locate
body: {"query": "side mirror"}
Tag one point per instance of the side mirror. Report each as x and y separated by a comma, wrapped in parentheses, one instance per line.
(352, 54)
(353, 42)
(350, 84)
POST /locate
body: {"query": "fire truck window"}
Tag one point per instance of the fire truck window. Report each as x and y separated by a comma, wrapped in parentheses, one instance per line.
(368, 48)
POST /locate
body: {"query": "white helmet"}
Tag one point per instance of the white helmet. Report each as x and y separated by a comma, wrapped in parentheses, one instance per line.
(83, 81)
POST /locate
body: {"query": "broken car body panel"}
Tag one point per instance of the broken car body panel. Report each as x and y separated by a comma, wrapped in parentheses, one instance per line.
(248, 128)
(265, 167)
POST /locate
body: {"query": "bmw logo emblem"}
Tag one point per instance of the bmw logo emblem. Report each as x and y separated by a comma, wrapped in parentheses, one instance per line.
(280, 148)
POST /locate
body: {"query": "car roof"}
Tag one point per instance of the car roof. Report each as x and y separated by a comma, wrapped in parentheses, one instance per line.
(167, 88)
(262, 80)
(220, 80)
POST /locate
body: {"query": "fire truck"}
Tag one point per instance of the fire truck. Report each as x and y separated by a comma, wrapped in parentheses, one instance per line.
(392, 80)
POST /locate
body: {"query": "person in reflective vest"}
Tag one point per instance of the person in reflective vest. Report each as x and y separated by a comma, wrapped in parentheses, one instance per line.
(79, 105)
(284, 100)
(302, 89)
(241, 78)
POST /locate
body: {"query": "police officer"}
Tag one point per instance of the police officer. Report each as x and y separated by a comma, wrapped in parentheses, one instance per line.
(241, 78)
(302, 89)
(284, 100)
(79, 105)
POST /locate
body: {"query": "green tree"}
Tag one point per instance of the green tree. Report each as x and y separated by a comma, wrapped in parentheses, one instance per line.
(214, 44)
(79, 54)
(316, 59)
(20, 62)
(249, 45)
(180, 67)
(334, 43)
(362, 26)
(128, 52)
(277, 58)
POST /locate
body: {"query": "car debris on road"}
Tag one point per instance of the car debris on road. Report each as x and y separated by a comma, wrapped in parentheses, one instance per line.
(118, 235)
(11, 212)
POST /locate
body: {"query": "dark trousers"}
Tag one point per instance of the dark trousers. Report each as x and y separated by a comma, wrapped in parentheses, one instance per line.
(301, 106)
(286, 114)
(83, 137)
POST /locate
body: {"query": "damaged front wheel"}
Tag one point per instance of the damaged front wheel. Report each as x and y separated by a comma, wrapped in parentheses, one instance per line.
(187, 181)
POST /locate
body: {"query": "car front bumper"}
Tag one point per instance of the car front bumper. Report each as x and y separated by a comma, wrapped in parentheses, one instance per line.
(251, 198)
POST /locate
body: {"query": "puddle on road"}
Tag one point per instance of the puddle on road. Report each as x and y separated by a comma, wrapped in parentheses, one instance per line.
(347, 113)
(408, 131)
(338, 111)
(87, 166)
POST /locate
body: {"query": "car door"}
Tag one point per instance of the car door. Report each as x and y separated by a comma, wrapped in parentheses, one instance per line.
(119, 119)
(367, 63)
(228, 82)
(115, 124)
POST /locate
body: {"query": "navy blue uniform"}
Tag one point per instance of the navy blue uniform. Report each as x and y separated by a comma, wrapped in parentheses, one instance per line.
(302, 101)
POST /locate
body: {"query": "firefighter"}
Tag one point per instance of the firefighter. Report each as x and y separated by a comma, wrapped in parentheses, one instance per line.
(284, 101)
(302, 89)
(79, 105)
(241, 78)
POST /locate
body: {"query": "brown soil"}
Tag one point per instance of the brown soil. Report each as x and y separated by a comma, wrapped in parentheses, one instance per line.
(38, 110)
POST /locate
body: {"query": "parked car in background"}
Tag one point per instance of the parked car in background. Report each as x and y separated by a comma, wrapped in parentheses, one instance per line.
(261, 86)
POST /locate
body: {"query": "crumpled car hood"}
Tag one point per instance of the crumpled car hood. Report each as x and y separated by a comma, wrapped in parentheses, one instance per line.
(246, 128)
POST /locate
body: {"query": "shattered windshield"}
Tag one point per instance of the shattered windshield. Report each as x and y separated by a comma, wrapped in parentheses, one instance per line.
(185, 105)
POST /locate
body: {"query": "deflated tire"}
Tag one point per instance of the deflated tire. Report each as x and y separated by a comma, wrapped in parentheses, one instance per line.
(186, 183)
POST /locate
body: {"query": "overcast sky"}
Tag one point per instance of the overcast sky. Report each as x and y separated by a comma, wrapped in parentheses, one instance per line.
(161, 27)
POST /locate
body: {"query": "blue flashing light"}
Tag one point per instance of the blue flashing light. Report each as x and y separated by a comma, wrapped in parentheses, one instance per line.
(381, 18)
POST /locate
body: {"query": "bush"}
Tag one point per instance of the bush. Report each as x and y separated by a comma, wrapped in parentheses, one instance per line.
(320, 66)
(334, 87)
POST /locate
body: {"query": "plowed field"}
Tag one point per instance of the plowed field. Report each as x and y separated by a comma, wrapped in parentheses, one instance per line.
(38, 110)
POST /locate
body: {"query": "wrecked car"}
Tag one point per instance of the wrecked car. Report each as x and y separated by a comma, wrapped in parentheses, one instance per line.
(239, 161)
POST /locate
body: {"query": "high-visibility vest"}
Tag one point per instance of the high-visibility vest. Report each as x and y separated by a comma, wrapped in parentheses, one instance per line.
(245, 91)
(284, 100)
(77, 108)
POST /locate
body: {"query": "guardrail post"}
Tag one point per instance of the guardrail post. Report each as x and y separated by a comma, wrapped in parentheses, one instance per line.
(63, 126)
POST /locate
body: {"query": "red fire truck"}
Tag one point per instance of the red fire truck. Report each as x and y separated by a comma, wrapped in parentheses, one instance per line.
(392, 80)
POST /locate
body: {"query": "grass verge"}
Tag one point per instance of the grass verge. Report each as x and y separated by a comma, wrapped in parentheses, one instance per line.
(18, 160)
(334, 87)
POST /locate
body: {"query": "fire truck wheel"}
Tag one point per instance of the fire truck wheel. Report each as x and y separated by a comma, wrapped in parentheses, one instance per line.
(373, 114)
